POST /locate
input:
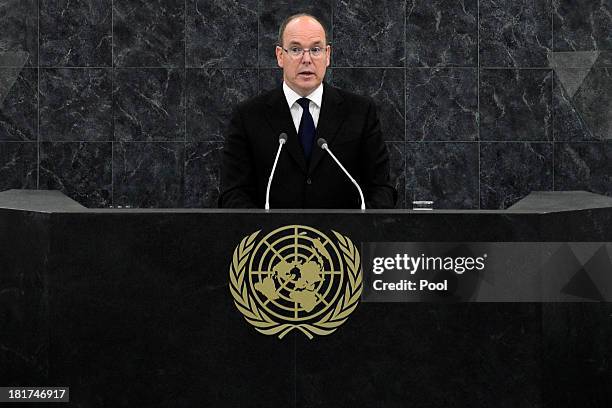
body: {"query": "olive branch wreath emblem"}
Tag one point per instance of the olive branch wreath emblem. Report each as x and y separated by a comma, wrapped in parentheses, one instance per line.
(265, 324)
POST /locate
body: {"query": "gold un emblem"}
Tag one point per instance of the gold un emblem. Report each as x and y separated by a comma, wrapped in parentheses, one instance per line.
(296, 277)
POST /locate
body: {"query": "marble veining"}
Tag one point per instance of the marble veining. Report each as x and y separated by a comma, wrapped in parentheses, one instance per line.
(211, 96)
(75, 104)
(148, 174)
(441, 33)
(582, 25)
(385, 86)
(18, 165)
(445, 173)
(569, 123)
(75, 33)
(397, 163)
(515, 105)
(515, 33)
(442, 104)
(18, 104)
(19, 33)
(584, 166)
(221, 34)
(149, 104)
(510, 171)
(369, 33)
(440, 71)
(81, 170)
(202, 174)
(149, 33)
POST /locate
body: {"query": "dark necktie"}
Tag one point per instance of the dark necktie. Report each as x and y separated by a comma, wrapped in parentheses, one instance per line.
(306, 132)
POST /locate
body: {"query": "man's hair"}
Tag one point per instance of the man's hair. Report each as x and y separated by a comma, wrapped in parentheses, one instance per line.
(292, 17)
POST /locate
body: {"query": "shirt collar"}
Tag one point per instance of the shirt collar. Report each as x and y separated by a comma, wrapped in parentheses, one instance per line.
(315, 96)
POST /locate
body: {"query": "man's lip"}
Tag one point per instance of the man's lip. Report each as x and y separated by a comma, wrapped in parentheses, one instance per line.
(306, 73)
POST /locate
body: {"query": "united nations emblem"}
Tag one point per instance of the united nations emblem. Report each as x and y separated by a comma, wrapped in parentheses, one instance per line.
(296, 277)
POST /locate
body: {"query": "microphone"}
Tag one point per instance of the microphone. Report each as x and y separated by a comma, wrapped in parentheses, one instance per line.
(282, 138)
(323, 145)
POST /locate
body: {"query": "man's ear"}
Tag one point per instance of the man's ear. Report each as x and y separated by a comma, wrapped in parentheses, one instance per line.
(328, 55)
(279, 56)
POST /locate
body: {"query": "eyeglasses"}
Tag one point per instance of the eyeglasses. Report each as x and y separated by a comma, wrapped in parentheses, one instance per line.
(297, 52)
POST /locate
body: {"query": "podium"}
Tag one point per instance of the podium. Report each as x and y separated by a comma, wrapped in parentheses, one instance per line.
(131, 307)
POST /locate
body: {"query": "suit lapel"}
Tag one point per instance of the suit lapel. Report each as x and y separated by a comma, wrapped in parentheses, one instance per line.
(279, 117)
(331, 117)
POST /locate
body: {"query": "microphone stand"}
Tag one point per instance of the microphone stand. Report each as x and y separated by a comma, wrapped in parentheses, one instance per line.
(282, 138)
(323, 145)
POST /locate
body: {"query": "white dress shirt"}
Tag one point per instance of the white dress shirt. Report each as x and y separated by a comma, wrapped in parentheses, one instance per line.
(315, 97)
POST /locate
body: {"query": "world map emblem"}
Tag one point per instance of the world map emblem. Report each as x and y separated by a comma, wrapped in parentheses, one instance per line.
(296, 278)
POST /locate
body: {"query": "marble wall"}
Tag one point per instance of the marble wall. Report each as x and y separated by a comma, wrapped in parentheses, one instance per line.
(124, 102)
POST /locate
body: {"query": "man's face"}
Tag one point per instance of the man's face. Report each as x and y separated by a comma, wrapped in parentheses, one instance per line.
(303, 74)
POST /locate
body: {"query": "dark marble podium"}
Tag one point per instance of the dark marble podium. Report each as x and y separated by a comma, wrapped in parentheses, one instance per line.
(131, 308)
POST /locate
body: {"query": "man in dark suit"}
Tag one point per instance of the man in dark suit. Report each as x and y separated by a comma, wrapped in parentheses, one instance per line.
(306, 109)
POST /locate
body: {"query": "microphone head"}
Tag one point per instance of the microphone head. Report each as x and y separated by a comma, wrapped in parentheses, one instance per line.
(322, 143)
(282, 138)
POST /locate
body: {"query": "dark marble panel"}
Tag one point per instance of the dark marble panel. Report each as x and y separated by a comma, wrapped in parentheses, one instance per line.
(221, 34)
(202, 174)
(271, 78)
(515, 33)
(272, 14)
(75, 104)
(385, 86)
(149, 33)
(369, 33)
(18, 104)
(148, 174)
(445, 173)
(424, 355)
(75, 33)
(515, 104)
(441, 33)
(19, 33)
(593, 102)
(211, 96)
(584, 166)
(82, 171)
(18, 165)
(442, 104)
(510, 171)
(582, 25)
(397, 162)
(149, 104)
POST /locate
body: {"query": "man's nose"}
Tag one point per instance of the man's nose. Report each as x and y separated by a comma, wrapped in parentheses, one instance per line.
(306, 59)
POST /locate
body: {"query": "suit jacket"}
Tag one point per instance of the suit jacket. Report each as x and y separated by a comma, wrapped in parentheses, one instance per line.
(351, 127)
